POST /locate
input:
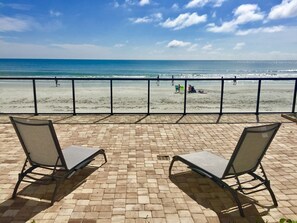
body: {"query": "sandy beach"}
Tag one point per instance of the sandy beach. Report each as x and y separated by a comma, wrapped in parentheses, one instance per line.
(132, 97)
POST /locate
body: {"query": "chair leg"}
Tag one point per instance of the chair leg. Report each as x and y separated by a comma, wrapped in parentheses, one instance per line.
(103, 153)
(267, 184)
(171, 164)
(55, 191)
(235, 197)
(21, 177)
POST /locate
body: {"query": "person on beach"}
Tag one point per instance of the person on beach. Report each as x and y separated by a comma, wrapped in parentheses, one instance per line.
(234, 81)
(191, 89)
(158, 81)
(181, 89)
(172, 82)
(177, 88)
(56, 81)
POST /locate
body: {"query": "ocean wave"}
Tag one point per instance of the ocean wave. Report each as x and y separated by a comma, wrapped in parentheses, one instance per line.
(127, 76)
(288, 71)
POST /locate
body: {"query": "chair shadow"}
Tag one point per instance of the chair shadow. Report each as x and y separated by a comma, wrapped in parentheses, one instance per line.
(211, 196)
(35, 198)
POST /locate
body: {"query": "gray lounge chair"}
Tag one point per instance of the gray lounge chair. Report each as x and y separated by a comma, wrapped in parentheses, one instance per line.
(246, 159)
(42, 148)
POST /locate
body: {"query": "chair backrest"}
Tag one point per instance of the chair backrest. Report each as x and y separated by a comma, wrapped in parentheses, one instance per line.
(39, 141)
(250, 149)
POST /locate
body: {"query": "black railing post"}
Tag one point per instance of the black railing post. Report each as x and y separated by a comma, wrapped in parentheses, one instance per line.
(258, 97)
(185, 97)
(294, 97)
(111, 98)
(222, 95)
(73, 97)
(148, 96)
(35, 97)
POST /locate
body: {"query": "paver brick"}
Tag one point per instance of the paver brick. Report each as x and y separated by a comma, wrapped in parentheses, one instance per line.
(133, 186)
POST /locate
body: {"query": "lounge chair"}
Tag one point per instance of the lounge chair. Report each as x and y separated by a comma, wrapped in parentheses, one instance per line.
(246, 159)
(42, 149)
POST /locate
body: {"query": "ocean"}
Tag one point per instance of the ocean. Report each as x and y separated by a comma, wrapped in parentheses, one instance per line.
(146, 68)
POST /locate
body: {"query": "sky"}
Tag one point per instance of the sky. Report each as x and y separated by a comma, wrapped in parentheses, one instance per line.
(149, 29)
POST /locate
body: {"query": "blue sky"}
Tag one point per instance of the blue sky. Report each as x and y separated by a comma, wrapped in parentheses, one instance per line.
(149, 29)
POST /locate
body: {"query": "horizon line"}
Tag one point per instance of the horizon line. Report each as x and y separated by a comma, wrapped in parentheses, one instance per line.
(15, 58)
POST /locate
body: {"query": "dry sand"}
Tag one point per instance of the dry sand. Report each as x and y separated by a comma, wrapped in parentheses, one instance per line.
(132, 97)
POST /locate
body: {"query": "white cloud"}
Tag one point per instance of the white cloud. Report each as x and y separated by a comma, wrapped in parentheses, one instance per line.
(177, 43)
(86, 50)
(184, 21)
(147, 19)
(116, 4)
(207, 47)
(161, 43)
(243, 14)
(55, 13)
(272, 29)
(119, 45)
(239, 46)
(175, 6)
(71, 51)
(128, 3)
(225, 27)
(182, 44)
(73, 46)
(202, 3)
(157, 16)
(192, 48)
(248, 13)
(144, 2)
(287, 9)
(196, 3)
(10, 24)
(219, 3)
(16, 6)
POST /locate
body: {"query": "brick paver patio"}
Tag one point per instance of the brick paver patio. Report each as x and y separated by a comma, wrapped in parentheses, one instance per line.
(133, 186)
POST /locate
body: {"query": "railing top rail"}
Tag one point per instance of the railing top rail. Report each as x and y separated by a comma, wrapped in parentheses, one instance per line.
(146, 79)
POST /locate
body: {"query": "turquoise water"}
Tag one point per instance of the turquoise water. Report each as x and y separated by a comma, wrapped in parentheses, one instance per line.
(145, 68)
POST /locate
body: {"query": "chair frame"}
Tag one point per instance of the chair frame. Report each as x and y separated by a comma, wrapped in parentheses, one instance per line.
(30, 165)
(238, 186)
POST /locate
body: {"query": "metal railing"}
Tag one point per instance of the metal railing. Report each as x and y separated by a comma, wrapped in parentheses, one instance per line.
(149, 80)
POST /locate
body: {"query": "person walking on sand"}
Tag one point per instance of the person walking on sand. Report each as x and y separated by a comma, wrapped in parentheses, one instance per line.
(234, 81)
(56, 81)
